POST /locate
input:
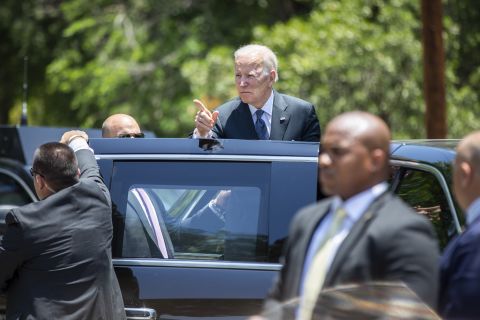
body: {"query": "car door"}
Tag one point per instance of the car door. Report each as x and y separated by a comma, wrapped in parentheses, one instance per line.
(217, 255)
(202, 264)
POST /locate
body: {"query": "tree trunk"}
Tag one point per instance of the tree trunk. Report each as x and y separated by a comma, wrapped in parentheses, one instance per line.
(434, 69)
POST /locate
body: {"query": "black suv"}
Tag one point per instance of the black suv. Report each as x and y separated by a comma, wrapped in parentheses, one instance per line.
(199, 224)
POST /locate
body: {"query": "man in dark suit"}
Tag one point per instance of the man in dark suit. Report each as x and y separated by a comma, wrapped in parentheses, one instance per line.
(362, 233)
(55, 257)
(460, 264)
(259, 112)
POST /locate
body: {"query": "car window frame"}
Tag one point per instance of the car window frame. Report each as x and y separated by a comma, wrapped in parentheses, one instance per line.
(177, 263)
(441, 180)
(21, 183)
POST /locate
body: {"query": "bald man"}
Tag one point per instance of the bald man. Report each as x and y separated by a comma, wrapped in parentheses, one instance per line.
(460, 264)
(362, 232)
(121, 126)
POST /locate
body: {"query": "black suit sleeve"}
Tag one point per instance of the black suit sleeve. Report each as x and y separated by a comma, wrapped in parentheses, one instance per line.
(11, 255)
(280, 304)
(411, 256)
(89, 170)
(311, 130)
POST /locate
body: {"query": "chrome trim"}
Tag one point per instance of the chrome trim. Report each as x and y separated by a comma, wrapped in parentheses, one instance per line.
(443, 184)
(20, 182)
(143, 262)
(140, 314)
(208, 157)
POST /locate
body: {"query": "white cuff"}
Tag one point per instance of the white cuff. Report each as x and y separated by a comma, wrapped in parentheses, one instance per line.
(79, 143)
(196, 135)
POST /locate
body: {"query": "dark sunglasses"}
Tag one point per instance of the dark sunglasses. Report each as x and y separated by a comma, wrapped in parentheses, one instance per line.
(33, 173)
(131, 135)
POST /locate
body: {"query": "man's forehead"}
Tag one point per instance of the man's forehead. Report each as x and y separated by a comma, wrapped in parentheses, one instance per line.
(248, 66)
(337, 137)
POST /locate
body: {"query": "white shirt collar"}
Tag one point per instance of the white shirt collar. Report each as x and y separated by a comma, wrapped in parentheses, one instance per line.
(473, 211)
(267, 107)
(358, 204)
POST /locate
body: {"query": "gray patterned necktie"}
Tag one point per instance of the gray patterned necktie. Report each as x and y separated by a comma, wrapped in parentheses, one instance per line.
(260, 126)
(318, 269)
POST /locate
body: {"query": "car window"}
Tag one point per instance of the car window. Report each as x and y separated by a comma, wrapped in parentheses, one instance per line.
(11, 193)
(178, 211)
(424, 193)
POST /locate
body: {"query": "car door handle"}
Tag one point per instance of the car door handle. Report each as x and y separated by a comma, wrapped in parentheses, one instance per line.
(140, 314)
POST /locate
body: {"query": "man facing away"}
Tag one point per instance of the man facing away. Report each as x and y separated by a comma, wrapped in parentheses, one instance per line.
(460, 264)
(259, 112)
(55, 256)
(121, 126)
(362, 232)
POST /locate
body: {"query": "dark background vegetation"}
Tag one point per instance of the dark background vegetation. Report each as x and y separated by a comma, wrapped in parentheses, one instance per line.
(150, 58)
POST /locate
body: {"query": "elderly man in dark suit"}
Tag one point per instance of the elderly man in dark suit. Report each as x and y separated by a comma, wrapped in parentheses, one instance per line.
(362, 233)
(259, 112)
(55, 257)
(460, 264)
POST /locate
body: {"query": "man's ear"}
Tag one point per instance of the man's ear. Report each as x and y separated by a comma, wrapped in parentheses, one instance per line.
(466, 173)
(78, 172)
(40, 181)
(272, 75)
(378, 157)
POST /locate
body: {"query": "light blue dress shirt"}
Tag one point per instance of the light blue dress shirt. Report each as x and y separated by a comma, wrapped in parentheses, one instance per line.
(267, 113)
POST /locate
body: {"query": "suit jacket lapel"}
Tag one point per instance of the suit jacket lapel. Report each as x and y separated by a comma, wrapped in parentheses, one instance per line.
(352, 238)
(301, 248)
(280, 117)
(245, 121)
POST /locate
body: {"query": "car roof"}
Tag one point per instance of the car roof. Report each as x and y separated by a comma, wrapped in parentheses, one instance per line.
(19, 142)
(204, 146)
(448, 144)
(438, 153)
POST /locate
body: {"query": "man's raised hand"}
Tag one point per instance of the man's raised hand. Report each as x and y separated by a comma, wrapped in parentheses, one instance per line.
(68, 136)
(204, 119)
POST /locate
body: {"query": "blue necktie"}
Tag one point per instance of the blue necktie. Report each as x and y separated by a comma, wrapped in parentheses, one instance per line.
(260, 126)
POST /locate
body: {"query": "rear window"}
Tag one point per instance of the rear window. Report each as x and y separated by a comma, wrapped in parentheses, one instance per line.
(423, 192)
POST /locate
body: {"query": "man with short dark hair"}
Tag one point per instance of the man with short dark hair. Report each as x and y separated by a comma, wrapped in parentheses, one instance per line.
(121, 126)
(55, 256)
(361, 233)
(460, 264)
(259, 112)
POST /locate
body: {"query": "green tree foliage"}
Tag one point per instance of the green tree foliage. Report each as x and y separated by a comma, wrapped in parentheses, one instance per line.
(150, 58)
(26, 29)
(463, 63)
(128, 56)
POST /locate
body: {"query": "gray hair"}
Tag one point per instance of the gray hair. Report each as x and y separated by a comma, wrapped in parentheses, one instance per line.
(263, 53)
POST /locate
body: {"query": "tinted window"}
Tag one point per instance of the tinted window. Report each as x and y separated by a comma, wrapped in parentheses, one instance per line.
(11, 193)
(182, 211)
(424, 193)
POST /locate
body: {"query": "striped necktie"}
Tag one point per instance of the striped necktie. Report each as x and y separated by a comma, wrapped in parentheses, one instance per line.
(260, 126)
